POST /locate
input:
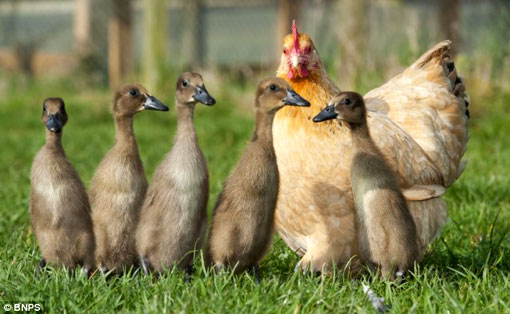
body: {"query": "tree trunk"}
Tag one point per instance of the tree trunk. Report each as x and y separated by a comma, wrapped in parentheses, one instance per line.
(120, 56)
(194, 39)
(154, 42)
(82, 35)
(449, 21)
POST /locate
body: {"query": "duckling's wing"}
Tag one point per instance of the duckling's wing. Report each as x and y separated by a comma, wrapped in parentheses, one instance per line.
(423, 192)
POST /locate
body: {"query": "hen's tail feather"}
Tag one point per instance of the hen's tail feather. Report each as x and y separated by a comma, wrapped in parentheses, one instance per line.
(458, 87)
(441, 54)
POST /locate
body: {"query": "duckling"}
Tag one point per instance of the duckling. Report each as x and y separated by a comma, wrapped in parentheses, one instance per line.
(243, 217)
(59, 206)
(173, 218)
(386, 230)
(118, 186)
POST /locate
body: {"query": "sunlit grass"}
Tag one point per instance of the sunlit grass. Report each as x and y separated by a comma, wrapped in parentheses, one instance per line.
(465, 270)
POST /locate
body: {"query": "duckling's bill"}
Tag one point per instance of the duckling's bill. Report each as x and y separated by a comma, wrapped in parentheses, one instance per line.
(54, 123)
(295, 99)
(202, 96)
(151, 103)
(327, 113)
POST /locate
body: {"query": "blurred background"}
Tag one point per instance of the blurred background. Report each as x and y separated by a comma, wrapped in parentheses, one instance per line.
(102, 43)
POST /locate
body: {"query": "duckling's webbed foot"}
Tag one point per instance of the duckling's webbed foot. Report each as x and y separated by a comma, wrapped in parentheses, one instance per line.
(255, 271)
(40, 266)
(189, 272)
(145, 264)
(219, 268)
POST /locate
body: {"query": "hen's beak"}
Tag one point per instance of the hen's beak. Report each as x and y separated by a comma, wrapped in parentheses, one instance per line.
(151, 103)
(54, 123)
(327, 113)
(202, 96)
(294, 99)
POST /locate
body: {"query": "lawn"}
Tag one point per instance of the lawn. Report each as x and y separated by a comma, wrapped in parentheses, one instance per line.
(466, 268)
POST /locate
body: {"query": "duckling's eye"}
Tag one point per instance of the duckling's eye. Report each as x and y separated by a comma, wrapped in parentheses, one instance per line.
(273, 87)
(133, 92)
(44, 109)
(346, 101)
(185, 83)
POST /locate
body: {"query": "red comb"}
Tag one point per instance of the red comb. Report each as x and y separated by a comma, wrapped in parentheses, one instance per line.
(296, 35)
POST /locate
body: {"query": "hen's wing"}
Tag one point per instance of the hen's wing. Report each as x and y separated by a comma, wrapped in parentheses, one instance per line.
(403, 154)
(429, 102)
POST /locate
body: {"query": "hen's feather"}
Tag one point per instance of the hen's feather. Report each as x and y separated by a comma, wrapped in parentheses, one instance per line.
(422, 101)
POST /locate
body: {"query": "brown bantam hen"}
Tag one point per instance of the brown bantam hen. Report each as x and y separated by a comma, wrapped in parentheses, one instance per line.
(418, 119)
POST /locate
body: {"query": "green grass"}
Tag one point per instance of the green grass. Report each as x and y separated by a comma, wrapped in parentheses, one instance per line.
(466, 269)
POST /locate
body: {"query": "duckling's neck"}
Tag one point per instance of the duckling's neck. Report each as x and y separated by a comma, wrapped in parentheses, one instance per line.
(124, 133)
(361, 139)
(185, 127)
(54, 140)
(263, 128)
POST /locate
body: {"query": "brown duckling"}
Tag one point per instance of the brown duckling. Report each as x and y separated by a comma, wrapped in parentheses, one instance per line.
(118, 187)
(386, 230)
(243, 218)
(173, 218)
(59, 206)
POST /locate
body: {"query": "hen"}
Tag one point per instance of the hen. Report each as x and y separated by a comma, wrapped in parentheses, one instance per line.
(418, 120)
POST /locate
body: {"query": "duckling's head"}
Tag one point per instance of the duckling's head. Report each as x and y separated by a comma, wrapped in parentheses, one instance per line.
(191, 89)
(346, 106)
(54, 114)
(274, 93)
(133, 98)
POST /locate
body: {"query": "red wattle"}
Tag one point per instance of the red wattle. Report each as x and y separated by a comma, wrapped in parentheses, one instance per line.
(290, 74)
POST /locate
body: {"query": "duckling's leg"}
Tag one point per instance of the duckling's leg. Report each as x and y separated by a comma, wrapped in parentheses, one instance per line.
(189, 272)
(400, 276)
(86, 271)
(145, 264)
(255, 271)
(388, 272)
(40, 266)
(103, 270)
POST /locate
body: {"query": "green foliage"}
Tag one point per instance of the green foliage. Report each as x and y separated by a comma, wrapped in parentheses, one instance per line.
(465, 270)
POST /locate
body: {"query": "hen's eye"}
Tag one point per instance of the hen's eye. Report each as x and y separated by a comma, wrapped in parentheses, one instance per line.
(273, 87)
(285, 50)
(185, 83)
(133, 92)
(44, 109)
